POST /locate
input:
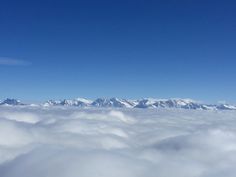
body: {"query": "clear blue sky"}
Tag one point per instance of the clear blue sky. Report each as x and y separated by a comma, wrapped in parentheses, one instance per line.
(118, 48)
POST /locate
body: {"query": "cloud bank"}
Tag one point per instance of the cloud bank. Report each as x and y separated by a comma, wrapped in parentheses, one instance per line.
(70, 142)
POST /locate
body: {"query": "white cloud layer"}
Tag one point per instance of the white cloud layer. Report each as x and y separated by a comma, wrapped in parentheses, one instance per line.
(69, 142)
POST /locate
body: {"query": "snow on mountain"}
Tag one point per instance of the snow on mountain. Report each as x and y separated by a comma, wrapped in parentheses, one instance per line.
(86, 101)
(51, 103)
(125, 103)
(226, 107)
(10, 102)
(169, 103)
(142, 103)
(146, 103)
(112, 102)
(80, 102)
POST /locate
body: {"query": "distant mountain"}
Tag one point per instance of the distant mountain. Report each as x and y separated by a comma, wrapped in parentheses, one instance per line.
(172, 103)
(226, 107)
(112, 102)
(125, 103)
(80, 102)
(11, 102)
(142, 103)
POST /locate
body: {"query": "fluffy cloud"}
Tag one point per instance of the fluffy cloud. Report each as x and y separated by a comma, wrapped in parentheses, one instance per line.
(69, 142)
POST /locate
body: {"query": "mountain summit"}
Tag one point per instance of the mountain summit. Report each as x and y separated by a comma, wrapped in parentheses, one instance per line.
(141, 103)
(126, 103)
(10, 101)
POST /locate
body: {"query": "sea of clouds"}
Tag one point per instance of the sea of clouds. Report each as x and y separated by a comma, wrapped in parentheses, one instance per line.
(70, 142)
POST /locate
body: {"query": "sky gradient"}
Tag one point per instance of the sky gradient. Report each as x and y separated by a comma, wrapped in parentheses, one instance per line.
(118, 48)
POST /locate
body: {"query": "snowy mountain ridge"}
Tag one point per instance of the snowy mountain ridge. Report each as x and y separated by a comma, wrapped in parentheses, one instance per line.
(9, 102)
(126, 103)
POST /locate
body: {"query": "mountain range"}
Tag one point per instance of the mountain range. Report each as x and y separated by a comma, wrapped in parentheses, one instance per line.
(125, 103)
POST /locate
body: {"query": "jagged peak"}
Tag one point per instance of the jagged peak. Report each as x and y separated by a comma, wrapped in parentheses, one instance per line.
(11, 101)
(115, 102)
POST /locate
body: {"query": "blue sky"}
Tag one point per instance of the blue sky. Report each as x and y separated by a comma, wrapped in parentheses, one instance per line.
(118, 48)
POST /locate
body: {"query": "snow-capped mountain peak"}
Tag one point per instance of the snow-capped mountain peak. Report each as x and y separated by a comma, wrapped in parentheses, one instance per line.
(125, 103)
(11, 102)
(111, 102)
(84, 100)
(80, 102)
(226, 107)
